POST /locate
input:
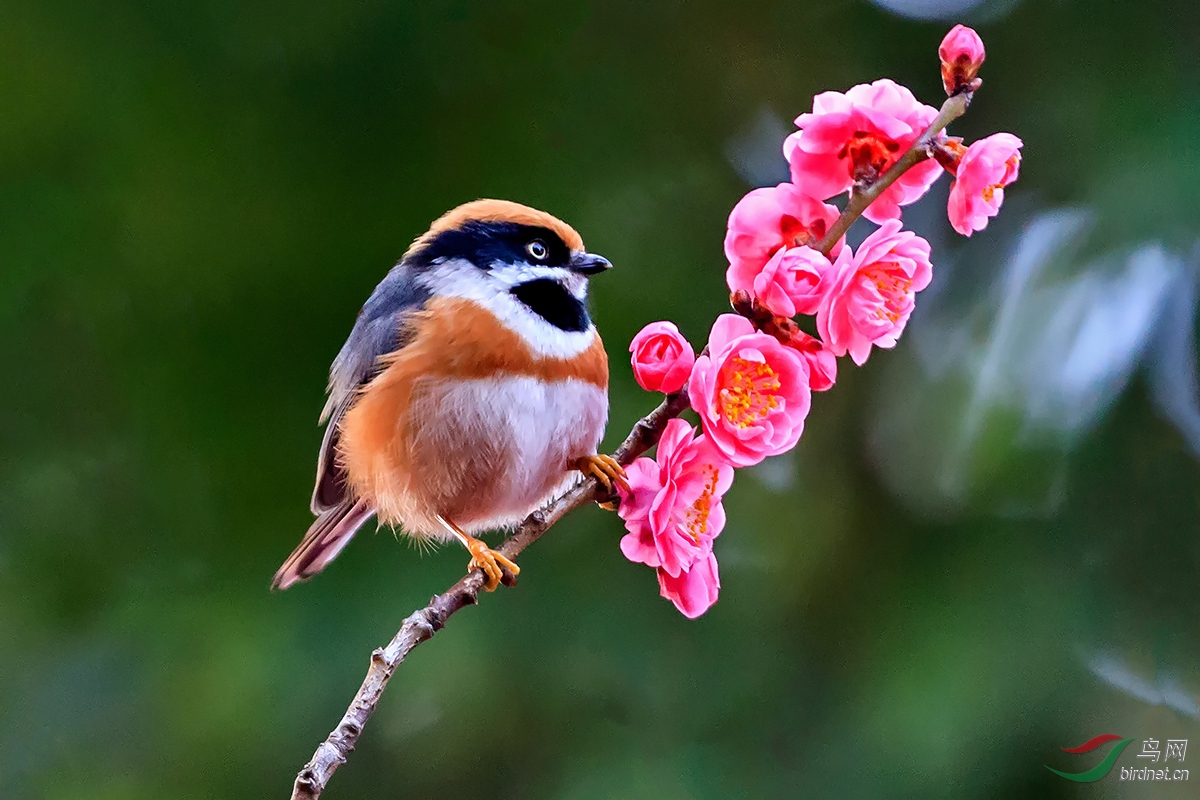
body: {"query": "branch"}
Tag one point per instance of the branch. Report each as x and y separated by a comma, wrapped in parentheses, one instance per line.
(862, 196)
(422, 624)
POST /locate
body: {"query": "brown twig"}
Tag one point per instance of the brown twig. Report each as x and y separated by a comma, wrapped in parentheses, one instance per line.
(422, 624)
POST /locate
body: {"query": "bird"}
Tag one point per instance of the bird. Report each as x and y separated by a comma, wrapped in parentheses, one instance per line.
(473, 387)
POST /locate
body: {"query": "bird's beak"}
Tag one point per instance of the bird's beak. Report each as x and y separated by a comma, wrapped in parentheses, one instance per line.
(589, 264)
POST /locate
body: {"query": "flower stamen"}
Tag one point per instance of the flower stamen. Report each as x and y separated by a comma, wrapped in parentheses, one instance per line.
(749, 392)
(894, 287)
(696, 516)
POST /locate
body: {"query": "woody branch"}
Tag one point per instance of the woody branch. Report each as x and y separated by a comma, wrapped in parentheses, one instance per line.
(421, 625)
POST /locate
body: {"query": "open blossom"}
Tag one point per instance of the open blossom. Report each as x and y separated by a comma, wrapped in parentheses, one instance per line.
(766, 220)
(751, 392)
(872, 292)
(860, 134)
(662, 359)
(693, 592)
(961, 54)
(673, 507)
(984, 170)
(673, 512)
(822, 363)
(791, 282)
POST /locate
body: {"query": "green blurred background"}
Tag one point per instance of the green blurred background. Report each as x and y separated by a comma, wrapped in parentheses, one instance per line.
(985, 548)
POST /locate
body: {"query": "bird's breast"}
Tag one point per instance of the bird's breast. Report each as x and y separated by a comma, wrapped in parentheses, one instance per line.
(469, 421)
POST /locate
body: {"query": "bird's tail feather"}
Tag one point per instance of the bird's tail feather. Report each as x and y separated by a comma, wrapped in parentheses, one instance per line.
(330, 532)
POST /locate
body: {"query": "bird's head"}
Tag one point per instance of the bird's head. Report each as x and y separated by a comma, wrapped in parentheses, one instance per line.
(493, 250)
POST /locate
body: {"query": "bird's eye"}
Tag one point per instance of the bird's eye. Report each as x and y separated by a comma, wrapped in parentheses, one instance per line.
(537, 248)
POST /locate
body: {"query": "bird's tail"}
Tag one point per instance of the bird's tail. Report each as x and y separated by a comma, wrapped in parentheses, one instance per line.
(331, 531)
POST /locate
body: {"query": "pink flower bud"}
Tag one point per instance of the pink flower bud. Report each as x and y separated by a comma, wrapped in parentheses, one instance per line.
(962, 55)
(662, 358)
(791, 282)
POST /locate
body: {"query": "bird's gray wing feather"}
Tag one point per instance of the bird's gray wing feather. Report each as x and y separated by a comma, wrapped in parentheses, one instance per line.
(377, 332)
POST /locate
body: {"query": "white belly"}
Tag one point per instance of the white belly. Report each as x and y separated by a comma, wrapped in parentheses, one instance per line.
(491, 451)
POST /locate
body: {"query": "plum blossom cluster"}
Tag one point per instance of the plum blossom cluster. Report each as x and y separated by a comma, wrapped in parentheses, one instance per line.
(752, 384)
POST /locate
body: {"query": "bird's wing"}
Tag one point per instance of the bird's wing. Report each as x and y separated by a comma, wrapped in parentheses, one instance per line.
(376, 333)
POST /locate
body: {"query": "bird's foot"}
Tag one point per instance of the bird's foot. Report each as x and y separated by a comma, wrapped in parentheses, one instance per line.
(495, 567)
(491, 563)
(606, 471)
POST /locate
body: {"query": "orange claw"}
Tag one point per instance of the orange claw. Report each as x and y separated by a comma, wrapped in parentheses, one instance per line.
(604, 469)
(491, 563)
(483, 558)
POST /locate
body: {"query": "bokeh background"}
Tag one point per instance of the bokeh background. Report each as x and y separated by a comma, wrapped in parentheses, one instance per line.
(986, 547)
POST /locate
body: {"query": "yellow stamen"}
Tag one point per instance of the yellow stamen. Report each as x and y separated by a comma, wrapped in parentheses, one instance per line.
(697, 516)
(894, 289)
(749, 392)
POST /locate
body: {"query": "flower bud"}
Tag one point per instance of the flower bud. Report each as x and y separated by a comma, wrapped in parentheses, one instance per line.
(662, 358)
(962, 55)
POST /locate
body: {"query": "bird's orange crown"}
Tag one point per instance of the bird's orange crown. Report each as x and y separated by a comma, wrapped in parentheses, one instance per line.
(497, 211)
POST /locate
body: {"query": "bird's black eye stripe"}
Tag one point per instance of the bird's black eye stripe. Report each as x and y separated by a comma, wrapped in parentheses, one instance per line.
(486, 243)
(551, 301)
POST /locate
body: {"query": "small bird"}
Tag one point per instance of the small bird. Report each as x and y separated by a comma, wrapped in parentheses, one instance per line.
(473, 388)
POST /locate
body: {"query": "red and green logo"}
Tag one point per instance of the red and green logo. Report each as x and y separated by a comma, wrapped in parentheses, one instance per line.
(1104, 767)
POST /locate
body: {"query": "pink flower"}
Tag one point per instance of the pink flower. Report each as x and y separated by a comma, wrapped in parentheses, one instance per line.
(962, 54)
(978, 189)
(673, 507)
(859, 135)
(822, 363)
(872, 292)
(694, 591)
(790, 283)
(766, 220)
(662, 358)
(750, 391)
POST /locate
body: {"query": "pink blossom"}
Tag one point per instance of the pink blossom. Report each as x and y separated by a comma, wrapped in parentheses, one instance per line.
(822, 363)
(662, 358)
(872, 292)
(790, 283)
(750, 391)
(860, 134)
(961, 54)
(766, 220)
(695, 590)
(673, 506)
(978, 190)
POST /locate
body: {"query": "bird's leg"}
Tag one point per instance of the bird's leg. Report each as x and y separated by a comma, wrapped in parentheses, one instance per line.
(483, 558)
(604, 469)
